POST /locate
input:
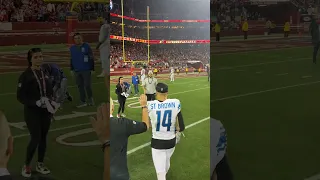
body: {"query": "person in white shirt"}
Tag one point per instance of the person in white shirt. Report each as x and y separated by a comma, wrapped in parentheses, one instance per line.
(172, 75)
(143, 74)
(104, 47)
(219, 166)
(167, 124)
(149, 86)
(6, 147)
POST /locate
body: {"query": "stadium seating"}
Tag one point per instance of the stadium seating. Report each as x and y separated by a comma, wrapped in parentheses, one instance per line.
(37, 10)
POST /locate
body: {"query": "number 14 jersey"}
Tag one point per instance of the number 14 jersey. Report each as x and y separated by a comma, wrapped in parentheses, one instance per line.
(163, 117)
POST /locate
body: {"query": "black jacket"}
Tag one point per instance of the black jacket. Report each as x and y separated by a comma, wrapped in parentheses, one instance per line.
(120, 90)
(28, 92)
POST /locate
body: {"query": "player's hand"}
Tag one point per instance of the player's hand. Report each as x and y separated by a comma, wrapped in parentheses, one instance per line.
(99, 123)
(143, 100)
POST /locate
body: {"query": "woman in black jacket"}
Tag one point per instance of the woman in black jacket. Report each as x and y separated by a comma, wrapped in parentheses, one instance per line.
(121, 91)
(35, 92)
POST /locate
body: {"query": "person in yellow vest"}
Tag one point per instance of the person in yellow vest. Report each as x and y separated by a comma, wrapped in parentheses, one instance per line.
(245, 28)
(155, 71)
(187, 70)
(269, 26)
(286, 29)
(100, 19)
(217, 29)
(178, 71)
(199, 70)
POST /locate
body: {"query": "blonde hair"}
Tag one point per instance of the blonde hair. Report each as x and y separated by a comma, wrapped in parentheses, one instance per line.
(4, 136)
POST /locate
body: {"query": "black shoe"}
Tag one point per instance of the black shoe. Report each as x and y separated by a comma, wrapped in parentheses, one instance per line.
(314, 62)
(69, 97)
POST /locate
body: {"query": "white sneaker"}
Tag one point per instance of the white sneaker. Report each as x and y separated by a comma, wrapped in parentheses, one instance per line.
(123, 115)
(26, 171)
(101, 75)
(118, 115)
(82, 105)
(42, 169)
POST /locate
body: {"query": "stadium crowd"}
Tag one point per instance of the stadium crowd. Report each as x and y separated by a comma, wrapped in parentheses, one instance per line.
(230, 13)
(38, 10)
(173, 55)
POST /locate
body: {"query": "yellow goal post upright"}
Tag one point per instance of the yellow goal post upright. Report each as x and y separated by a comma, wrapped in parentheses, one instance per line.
(72, 18)
(123, 37)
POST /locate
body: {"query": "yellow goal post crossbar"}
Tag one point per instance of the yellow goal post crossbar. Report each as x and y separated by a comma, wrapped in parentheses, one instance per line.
(76, 2)
(123, 38)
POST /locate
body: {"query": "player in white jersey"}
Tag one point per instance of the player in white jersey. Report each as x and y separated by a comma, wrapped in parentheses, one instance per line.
(220, 169)
(143, 74)
(167, 125)
(172, 75)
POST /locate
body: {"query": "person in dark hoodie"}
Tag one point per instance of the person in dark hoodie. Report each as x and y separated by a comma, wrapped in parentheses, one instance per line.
(82, 65)
(315, 34)
(35, 92)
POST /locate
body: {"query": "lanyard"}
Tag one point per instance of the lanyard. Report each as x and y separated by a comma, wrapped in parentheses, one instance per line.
(43, 83)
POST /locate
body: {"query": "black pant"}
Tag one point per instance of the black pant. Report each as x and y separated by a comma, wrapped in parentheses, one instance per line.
(245, 34)
(286, 33)
(38, 122)
(218, 37)
(151, 97)
(223, 170)
(122, 102)
(315, 51)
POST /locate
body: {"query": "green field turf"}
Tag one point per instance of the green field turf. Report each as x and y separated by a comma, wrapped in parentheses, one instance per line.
(269, 104)
(66, 162)
(69, 162)
(191, 157)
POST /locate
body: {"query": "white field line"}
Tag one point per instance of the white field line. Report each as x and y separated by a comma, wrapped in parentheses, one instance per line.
(14, 93)
(306, 77)
(219, 99)
(53, 130)
(95, 83)
(16, 72)
(264, 91)
(147, 144)
(315, 177)
(282, 74)
(262, 50)
(182, 92)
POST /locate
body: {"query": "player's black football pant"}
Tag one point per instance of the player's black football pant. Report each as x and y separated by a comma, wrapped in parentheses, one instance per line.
(218, 37)
(245, 34)
(315, 51)
(38, 122)
(223, 170)
(151, 97)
